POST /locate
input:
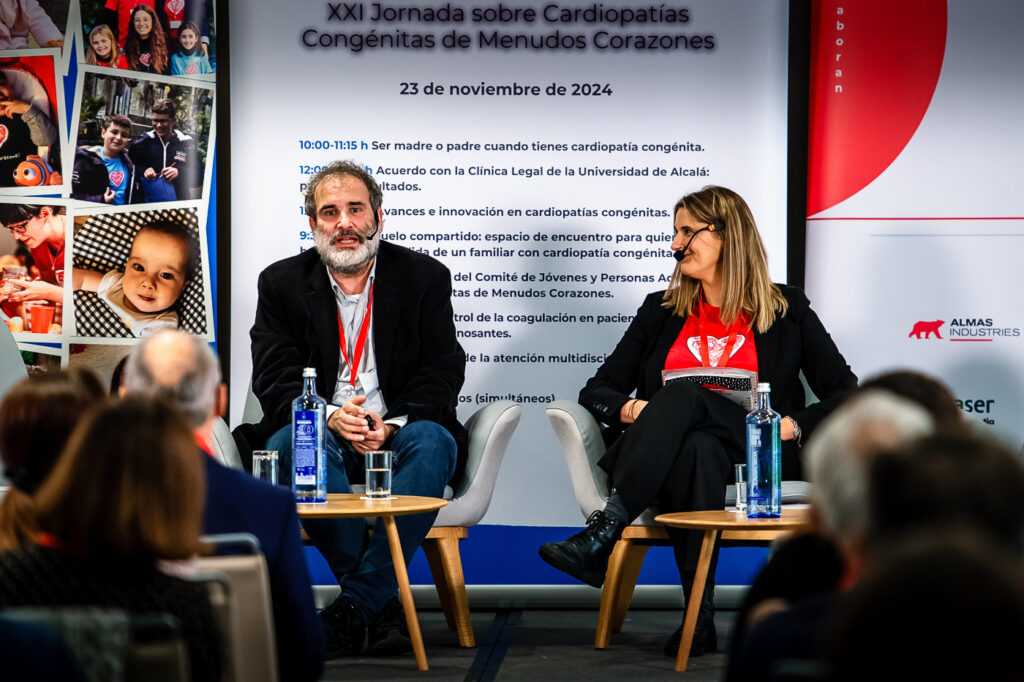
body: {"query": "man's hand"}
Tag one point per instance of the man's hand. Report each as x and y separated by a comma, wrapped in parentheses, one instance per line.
(14, 106)
(350, 423)
(149, 174)
(169, 173)
(108, 196)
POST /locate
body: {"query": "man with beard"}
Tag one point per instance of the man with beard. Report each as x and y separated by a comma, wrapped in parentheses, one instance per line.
(375, 320)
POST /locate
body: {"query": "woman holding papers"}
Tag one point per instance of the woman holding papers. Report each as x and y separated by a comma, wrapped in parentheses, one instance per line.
(675, 444)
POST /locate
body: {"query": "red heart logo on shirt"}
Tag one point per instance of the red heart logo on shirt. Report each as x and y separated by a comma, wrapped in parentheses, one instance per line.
(3, 135)
(192, 69)
(144, 58)
(116, 178)
(716, 346)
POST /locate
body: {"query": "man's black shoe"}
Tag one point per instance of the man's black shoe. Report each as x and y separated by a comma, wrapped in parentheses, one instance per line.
(584, 556)
(389, 634)
(705, 637)
(345, 627)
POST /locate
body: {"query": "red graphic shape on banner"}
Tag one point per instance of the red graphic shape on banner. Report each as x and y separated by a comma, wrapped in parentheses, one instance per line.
(874, 68)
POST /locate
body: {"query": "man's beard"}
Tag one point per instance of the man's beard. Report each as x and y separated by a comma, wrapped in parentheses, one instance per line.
(344, 261)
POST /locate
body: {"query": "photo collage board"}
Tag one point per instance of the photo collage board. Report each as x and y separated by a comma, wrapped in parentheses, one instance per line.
(107, 137)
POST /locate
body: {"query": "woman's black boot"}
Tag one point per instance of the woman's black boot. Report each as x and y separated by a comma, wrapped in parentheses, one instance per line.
(584, 556)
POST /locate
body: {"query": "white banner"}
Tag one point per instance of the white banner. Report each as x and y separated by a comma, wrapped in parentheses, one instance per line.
(535, 148)
(919, 266)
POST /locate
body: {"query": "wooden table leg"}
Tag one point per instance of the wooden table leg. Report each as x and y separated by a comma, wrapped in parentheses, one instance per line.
(405, 592)
(695, 597)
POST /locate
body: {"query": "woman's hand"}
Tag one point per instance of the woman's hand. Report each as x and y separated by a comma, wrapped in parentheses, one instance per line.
(629, 412)
(786, 428)
(36, 291)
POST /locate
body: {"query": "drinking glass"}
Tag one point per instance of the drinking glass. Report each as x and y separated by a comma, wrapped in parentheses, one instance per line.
(741, 487)
(378, 474)
(264, 465)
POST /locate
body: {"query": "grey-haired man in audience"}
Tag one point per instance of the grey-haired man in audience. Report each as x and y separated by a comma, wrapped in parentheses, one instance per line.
(183, 370)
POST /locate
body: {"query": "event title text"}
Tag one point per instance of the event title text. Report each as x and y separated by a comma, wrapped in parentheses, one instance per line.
(366, 26)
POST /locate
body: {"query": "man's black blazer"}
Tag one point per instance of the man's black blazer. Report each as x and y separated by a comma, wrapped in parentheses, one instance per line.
(420, 364)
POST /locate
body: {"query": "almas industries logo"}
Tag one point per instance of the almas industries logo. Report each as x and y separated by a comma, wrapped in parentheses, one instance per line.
(963, 329)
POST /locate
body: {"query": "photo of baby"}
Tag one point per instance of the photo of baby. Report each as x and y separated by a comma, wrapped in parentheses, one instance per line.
(163, 259)
(137, 273)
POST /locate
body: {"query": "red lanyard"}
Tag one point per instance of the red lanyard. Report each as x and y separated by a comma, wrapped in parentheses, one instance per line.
(357, 352)
(705, 355)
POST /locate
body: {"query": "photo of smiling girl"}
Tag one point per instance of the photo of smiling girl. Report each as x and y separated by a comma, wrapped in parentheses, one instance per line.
(103, 49)
(189, 60)
(145, 47)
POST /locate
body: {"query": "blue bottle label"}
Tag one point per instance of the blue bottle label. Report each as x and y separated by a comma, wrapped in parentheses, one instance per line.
(306, 440)
(753, 462)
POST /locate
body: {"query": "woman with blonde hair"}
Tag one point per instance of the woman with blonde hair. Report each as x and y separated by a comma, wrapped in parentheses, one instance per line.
(126, 494)
(675, 445)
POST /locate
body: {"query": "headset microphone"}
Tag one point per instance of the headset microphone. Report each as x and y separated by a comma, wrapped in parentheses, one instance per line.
(376, 229)
(713, 227)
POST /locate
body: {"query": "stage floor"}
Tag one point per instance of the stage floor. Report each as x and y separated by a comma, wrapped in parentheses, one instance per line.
(541, 644)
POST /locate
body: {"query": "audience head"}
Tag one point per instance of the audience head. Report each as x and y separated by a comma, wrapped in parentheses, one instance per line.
(947, 482)
(36, 418)
(941, 608)
(839, 454)
(924, 390)
(181, 369)
(129, 482)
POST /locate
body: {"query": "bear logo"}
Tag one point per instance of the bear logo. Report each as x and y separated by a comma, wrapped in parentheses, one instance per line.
(926, 328)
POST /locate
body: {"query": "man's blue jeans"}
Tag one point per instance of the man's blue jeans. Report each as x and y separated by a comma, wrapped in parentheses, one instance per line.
(423, 462)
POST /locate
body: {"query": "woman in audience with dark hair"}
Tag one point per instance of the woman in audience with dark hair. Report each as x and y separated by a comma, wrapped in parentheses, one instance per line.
(126, 493)
(36, 419)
